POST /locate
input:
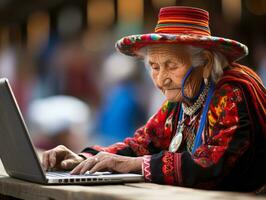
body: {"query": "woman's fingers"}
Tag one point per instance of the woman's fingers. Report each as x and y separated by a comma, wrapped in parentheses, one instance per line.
(69, 164)
(89, 164)
(85, 165)
(52, 159)
(100, 166)
(60, 157)
(57, 157)
(77, 169)
(48, 159)
(45, 160)
(104, 161)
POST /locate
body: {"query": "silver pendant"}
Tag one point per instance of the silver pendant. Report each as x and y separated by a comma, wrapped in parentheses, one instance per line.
(176, 142)
(177, 139)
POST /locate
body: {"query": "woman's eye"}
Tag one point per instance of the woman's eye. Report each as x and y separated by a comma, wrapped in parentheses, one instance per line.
(155, 67)
(172, 66)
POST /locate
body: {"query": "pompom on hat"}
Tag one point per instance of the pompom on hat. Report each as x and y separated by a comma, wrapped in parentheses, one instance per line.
(183, 25)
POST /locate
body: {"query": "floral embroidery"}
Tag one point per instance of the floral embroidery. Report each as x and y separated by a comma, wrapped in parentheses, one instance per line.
(223, 110)
(223, 122)
(168, 167)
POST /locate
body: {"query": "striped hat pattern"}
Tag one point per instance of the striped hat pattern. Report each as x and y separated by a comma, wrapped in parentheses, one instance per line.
(183, 25)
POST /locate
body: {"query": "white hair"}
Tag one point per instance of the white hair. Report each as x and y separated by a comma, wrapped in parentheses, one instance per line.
(219, 60)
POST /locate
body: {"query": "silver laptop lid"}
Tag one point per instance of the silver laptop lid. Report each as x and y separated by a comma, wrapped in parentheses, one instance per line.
(18, 154)
(16, 150)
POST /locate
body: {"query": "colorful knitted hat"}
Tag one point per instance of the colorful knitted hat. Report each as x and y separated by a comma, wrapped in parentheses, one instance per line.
(183, 25)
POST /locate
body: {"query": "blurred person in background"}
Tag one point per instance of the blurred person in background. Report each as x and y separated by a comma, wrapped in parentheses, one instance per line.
(210, 133)
(120, 112)
(65, 68)
(8, 62)
(17, 66)
(59, 120)
(260, 57)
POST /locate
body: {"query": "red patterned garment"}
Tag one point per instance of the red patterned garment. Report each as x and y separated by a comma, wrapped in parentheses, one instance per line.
(232, 154)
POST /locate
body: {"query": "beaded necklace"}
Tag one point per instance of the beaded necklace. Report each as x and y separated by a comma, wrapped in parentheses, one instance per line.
(177, 139)
(190, 110)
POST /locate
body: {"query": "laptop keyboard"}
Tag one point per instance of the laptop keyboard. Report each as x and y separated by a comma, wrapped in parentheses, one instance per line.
(67, 174)
(60, 177)
(58, 174)
(67, 178)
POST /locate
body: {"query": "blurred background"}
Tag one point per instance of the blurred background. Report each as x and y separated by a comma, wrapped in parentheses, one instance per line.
(71, 85)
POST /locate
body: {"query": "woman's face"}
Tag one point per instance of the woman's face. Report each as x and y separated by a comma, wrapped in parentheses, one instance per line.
(169, 64)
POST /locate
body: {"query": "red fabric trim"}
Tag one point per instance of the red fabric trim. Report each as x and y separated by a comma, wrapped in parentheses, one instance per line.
(146, 168)
(178, 171)
(111, 149)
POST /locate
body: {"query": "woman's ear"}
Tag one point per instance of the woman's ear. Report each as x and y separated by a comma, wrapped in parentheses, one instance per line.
(208, 64)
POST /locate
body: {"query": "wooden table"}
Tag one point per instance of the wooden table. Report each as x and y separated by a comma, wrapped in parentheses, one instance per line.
(10, 187)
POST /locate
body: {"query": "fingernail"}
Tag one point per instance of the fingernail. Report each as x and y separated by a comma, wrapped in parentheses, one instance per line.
(72, 172)
(64, 164)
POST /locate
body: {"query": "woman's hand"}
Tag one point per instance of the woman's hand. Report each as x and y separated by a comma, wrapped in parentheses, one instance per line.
(104, 161)
(60, 157)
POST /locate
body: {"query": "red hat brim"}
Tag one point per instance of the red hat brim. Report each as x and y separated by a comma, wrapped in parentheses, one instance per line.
(233, 50)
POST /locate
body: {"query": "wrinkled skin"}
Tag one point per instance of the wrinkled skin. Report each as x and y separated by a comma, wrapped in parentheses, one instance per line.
(104, 161)
(168, 66)
(60, 157)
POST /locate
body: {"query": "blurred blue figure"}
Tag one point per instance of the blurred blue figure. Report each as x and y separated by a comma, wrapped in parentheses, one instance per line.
(260, 57)
(121, 112)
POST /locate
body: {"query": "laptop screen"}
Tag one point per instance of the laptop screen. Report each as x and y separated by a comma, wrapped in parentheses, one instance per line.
(16, 150)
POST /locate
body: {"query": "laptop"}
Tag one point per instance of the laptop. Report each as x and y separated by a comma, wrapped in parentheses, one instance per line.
(19, 156)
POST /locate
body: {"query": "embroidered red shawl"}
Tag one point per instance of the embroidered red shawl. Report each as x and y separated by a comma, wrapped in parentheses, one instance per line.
(253, 86)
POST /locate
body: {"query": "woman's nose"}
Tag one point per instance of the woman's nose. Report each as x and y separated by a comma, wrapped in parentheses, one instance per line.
(164, 80)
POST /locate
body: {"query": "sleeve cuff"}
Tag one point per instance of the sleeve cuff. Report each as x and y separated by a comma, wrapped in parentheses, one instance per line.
(146, 169)
(85, 155)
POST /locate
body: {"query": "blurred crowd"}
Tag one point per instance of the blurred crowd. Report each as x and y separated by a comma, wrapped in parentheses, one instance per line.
(74, 89)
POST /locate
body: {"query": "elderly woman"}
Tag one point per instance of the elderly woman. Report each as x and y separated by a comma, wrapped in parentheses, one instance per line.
(210, 133)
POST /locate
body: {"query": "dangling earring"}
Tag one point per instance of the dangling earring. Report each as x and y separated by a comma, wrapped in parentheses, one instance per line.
(206, 81)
